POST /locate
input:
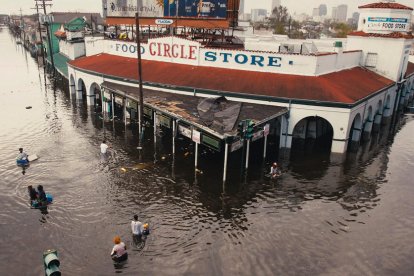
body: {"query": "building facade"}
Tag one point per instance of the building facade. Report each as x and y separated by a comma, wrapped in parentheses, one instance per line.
(339, 96)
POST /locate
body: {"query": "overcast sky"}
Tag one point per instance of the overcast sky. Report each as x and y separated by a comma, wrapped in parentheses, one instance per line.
(298, 6)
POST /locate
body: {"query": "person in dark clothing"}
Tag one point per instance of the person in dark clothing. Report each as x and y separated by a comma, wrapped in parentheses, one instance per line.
(32, 192)
(41, 194)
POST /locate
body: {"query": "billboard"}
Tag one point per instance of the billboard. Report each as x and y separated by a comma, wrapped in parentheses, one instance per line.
(196, 8)
(166, 8)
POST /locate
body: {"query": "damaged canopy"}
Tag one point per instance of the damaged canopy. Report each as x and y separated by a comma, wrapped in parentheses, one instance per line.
(219, 113)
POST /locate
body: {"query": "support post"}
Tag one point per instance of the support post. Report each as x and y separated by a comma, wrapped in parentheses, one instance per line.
(226, 153)
(247, 153)
(265, 147)
(173, 138)
(112, 106)
(196, 155)
(155, 129)
(125, 112)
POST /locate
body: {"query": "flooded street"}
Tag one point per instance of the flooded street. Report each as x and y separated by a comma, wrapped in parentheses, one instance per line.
(321, 218)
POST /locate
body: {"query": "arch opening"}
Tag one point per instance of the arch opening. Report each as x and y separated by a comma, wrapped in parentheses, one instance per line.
(81, 90)
(95, 92)
(312, 135)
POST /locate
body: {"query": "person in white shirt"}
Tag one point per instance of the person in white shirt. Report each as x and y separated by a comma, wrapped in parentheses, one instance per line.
(22, 155)
(104, 147)
(119, 252)
(275, 170)
(136, 226)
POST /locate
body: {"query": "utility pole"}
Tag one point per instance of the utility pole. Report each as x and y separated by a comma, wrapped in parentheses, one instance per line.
(22, 29)
(40, 31)
(141, 96)
(48, 32)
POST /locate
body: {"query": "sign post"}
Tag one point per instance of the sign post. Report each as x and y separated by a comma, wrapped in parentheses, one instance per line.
(226, 152)
(266, 129)
(196, 138)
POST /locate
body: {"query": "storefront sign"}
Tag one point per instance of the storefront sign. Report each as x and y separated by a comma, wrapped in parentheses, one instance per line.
(132, 104)
(236, 145)
(184, 131)
(257, 135)
(147, 112)
(387, 24)
(164, 120)
(164, 21)
(107, 96)
(119, 100)
(196, 136)
(266, 129)
(211, 142)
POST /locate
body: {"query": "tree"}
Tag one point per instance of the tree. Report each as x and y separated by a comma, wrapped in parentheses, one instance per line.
(279, 19)
(342, 29)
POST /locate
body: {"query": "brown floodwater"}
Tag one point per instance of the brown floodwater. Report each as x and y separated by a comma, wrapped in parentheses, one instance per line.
(322, 217)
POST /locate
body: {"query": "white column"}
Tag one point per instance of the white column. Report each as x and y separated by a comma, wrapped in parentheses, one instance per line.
(226, 152)
(247, 153)
(196, 156)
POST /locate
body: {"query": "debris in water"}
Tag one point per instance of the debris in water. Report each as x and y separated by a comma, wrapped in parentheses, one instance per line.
(123, 170)
(28, 107)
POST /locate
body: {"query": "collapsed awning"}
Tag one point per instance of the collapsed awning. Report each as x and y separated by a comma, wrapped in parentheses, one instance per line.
(217, 121)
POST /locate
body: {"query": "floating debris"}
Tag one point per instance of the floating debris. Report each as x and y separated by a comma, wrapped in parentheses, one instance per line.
(28, 107)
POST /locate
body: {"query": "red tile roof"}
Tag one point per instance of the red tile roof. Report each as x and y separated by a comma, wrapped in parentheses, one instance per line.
(347, 86)
(386, 5)
(60, 34)
(410, 69)
(390, 35)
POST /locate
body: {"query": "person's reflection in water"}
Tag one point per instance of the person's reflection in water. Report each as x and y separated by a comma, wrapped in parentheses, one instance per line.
(138, 242)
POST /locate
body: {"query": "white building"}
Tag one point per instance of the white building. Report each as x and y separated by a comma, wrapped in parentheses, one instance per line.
(335, 95)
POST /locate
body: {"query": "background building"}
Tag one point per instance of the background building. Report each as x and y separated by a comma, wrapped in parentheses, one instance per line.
(323, 10)
(258, 15)
(341, 13)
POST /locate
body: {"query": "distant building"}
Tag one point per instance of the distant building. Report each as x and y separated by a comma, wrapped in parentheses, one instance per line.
(258, 15)
(334, 13)
(300, 17)
(315, 12)
(323, 10)
(341, 13)
(3, 18)
(355, 17)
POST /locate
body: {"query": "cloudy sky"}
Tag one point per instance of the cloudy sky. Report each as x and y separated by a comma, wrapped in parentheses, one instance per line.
(298, 6)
